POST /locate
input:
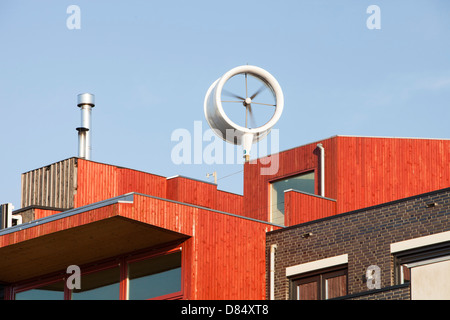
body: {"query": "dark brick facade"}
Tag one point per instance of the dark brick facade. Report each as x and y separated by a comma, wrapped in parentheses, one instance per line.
(400, 292)
(365, 235)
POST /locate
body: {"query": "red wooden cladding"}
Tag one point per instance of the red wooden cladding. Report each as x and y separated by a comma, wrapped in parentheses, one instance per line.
(372, 171)
(222, 247)
(229, 202)
(291, 162)
(224, 258)
(41, 213)
(192, 191)
(137, 181)
(311, 207)
(98, 181)
(359, 172)
(203, 194)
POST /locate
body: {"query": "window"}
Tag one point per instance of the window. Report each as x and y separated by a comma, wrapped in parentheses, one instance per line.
(302, 182)
(426, 269)
(145, 275)
(320, 279)
(100, 285)
(424, 262)
(48, 291)
(154, 277)
(321, 285)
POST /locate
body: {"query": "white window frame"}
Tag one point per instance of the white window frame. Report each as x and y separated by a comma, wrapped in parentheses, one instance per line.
(417, 243)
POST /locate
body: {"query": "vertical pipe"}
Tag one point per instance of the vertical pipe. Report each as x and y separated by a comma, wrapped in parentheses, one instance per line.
(273, 248)
(322, 169)
(86, 102)
(82, 142)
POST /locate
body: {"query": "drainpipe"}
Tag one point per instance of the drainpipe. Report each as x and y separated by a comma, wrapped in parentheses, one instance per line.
(273, 248)
(322, 169)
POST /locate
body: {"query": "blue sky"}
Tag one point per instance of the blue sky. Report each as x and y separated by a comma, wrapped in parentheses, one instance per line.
(149, 64)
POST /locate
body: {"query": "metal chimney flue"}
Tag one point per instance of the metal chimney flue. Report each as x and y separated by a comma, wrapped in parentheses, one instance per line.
(86, 102)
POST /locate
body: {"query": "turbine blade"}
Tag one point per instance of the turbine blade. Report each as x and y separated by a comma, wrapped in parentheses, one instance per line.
(246, 116)
(252, 118)
(231, 94)
(258, 92)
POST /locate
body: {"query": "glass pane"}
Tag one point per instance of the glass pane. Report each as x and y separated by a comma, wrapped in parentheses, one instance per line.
(54, 291)
(336, 287)
(303, 182)
(405, 274)
(307, 291)
(101, 285)
(154, 277)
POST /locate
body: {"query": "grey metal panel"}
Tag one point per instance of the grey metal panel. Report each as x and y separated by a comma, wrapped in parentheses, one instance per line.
(50, 186)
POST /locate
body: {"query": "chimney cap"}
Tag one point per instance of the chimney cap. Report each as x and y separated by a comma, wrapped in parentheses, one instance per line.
(86, 98)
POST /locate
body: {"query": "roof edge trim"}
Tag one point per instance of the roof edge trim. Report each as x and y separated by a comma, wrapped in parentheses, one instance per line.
(126, 198)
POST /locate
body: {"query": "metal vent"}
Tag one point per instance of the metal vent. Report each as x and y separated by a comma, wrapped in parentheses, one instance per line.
(86, 102)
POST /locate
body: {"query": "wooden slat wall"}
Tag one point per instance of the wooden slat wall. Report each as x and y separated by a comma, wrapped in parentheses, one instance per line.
(203, 194)
(192, 191)
(223, 259)
(42, 213)
(78, 182)
(376, 170)
(229, 202)
(226, 253)
(359, 172)
(301, 207)
(98, 181)
(137, 181)
(50, 186)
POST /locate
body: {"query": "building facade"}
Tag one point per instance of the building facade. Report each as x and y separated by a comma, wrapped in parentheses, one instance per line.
(341, 174)
(125, 230)
(398, 250)
(133, 235)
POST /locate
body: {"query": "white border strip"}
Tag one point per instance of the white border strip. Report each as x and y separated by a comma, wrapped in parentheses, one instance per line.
(429, 261)
(316, 265)
(420, 242)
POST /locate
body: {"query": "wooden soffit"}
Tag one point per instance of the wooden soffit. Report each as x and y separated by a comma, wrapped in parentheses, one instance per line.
(79, 245)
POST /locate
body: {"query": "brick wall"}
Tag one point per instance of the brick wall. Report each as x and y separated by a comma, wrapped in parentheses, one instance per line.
(401, 292)
(364, 235)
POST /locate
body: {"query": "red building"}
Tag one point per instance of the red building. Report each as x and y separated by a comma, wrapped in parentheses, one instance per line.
(357, 172)
(135, 235)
